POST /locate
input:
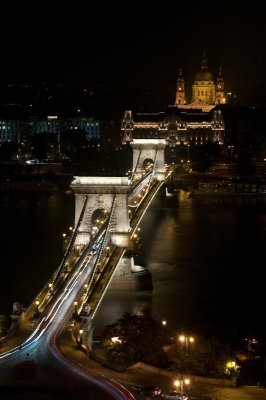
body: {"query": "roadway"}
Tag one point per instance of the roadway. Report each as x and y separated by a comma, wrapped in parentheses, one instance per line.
(55, 309)
(58, 371)
(41, 345)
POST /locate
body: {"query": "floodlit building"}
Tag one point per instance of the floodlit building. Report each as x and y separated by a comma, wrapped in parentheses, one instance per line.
(197, 122)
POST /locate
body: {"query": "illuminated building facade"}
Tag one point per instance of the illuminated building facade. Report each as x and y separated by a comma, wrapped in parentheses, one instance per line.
(196, 123)
(10, 131)
(206, 92)
(53, 124)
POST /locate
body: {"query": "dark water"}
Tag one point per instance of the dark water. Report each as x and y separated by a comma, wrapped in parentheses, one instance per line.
(207, 261)
(31, 247)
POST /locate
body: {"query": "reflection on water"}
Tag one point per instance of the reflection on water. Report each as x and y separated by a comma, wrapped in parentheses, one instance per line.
(205, 265)
(205, 260)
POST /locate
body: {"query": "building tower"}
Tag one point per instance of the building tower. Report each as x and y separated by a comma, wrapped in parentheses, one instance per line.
(180, 89)
(219, 95)
(203, 90)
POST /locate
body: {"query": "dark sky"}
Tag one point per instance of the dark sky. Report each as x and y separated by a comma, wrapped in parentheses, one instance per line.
(136, 47)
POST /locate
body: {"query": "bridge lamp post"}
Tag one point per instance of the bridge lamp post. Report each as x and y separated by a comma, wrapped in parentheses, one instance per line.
(75, 309)
(64, 239)
(37, 308)
(188, 146)
(50, 286)
(231, 153)
(80, 336)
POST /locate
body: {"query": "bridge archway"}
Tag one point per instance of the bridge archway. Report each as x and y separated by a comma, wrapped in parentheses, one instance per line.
(148, 149)
(104, 195)
(98, 218)
(148, 164)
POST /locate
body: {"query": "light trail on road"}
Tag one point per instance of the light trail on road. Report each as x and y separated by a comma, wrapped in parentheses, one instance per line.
(59, 311)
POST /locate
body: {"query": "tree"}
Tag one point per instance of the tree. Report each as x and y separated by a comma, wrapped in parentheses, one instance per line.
(138, 338)
(201, 160)
(207, 357)
(39, 147)
(7, 151)
(4, 324)
(73, 144)
(245, 163)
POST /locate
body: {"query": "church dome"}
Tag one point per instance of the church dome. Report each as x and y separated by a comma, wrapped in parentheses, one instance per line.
(204, 74)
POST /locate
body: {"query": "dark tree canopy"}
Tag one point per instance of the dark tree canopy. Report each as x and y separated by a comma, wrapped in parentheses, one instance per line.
(140, 338)
(206, 357)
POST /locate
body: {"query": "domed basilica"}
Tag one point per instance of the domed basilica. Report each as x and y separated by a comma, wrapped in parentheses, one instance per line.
(206, 93)
(182, 123)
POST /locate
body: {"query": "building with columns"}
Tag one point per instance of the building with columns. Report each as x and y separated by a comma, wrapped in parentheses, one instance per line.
(198, 122)
(206, 91)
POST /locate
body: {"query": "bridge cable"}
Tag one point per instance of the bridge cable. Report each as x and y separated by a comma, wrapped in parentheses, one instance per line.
(71, 242)
(101, 249)
(137, 163)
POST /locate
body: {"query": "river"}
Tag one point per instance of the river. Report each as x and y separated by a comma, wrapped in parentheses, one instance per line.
(206, 261)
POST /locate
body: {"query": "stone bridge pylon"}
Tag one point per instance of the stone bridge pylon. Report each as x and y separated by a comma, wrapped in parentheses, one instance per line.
(104, 194)
(109, 195)
(147, 147)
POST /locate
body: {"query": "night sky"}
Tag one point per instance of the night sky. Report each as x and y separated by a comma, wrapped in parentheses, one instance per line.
(136, 47)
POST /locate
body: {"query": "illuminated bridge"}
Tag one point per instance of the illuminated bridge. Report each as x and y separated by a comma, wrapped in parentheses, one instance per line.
(108, 211)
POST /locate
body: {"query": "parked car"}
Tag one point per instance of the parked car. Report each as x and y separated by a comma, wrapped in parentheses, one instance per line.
(174, 395)
(151, 391)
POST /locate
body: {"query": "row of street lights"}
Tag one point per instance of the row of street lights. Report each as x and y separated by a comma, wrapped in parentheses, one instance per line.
(182, 383)
(186, 340)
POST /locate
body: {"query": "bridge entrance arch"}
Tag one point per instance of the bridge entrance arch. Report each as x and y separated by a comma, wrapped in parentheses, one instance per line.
(148, 149)
(106, 195)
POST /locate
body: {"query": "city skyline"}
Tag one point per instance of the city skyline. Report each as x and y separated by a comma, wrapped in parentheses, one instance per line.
(159, 213)
(129, 49)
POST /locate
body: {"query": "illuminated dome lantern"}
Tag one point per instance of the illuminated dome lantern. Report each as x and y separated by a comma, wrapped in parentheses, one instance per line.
(204, 74)
(203, 89)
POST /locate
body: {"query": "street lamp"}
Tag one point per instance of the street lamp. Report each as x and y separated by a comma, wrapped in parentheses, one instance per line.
(80, 336)
(188, 146)
(36, 314)
(164, 323)
(75, 309)
(231, 153)
(186, 340)
(182, 383)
